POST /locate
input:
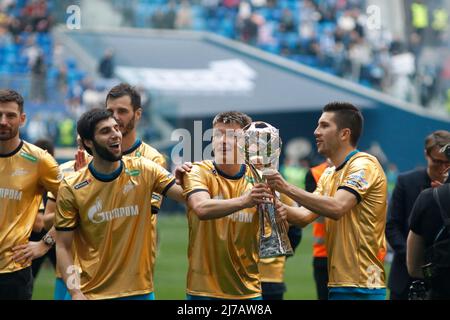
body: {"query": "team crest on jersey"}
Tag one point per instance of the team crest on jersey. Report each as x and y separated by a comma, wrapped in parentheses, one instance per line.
(358, 180)
(138, 154)
(82, 184)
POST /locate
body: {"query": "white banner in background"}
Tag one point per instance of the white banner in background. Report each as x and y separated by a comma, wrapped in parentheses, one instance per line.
(224, 76)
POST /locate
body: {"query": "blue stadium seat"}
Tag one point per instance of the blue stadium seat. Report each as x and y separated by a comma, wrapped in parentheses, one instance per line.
(198, 24)
(272, 48)
(226, 28)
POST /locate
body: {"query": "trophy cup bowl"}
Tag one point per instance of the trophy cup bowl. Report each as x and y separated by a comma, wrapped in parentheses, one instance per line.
(261, 148)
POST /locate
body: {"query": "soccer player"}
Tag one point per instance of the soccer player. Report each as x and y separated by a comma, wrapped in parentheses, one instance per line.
(351, 196)
(34, 250)
(27, 171)
(223, 250)
(124, 102)
(104, 209)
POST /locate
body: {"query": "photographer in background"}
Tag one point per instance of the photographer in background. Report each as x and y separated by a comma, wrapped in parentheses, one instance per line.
(407, 188)
(428, 244)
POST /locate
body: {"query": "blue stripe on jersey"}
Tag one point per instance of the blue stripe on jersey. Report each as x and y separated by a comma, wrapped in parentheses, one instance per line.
(351, 293)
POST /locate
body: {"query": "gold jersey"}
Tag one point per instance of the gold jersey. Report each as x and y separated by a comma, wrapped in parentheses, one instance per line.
(112, 231)
(223, 253)
(354, 241)
(67, 168)
(141, 149)
(272, 269)
(26, 174)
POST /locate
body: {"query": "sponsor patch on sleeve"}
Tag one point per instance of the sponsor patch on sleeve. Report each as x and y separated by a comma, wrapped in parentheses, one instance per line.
(357, 180)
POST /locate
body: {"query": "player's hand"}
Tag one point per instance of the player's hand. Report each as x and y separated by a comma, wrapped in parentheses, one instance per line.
(80, 160)
(25, 253)
(259, 194)
(180, 171)
(281, 211)
(276, 182)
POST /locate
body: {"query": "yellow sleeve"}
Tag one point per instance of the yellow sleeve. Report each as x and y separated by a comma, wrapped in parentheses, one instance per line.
(66, 215)
(161, 180)
(156, 197)
(161, 160)
(361, 175)
(195, 181)
(319, 186)
(49, 173)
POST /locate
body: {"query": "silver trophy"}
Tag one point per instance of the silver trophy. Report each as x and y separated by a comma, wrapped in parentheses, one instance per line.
(261, 148)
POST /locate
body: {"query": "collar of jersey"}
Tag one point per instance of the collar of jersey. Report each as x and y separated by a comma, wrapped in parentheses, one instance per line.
(13, 152)
(105, 177)
(351, 154)
(239, 175)
(136, 145)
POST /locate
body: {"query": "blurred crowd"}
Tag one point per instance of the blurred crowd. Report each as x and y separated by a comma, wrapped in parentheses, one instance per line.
(57, 90)
(330, 35)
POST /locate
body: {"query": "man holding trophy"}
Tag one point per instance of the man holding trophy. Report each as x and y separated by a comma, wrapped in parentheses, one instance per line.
(352, 196)
(223, 197)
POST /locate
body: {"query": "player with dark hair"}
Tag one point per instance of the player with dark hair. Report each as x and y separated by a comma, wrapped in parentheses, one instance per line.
(27, 172)
(351, 196)
(102, 213)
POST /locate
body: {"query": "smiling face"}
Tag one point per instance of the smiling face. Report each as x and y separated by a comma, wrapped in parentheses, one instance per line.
(107, 140)
(124, 113)
(11, 119)
(328, 136)
(224, 142)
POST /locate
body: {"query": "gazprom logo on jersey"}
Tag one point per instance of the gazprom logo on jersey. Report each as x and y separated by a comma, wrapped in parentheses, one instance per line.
(96, 215)
(10, 194)
(226, 76)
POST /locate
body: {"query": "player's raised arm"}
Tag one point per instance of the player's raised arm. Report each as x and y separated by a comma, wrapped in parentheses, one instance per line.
(175, 192)
(207, 208)
(330, 207)
(300, 216)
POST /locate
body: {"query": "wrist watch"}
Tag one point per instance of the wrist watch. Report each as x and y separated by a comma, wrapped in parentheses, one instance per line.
(48, 240)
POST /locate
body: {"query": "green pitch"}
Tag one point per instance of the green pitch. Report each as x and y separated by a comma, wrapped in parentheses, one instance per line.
(171, 265)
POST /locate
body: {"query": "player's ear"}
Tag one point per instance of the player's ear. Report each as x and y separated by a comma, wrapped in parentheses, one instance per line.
(345, 134)
(23, 119)
(87, 143)
(138, 114)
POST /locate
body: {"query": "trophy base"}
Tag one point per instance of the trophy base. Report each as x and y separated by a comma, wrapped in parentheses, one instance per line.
(271, 248)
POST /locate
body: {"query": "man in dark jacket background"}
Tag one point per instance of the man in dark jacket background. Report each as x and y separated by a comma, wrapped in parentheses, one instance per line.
(408, 187)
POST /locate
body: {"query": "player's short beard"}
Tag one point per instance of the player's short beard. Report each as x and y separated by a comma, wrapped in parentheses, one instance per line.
(129, 126)
(13, 133)
(105, 154)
